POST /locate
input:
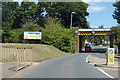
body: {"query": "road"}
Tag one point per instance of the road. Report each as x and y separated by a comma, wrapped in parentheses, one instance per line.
(100, 50)
(72, 66)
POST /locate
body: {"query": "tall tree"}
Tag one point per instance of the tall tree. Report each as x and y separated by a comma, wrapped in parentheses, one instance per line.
(8, 10)
(25, 13)
(116, 14)
(0, 22)
(63, 10)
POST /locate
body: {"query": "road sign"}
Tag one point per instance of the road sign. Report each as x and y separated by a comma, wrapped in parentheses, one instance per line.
(93, 32)
(110, 56)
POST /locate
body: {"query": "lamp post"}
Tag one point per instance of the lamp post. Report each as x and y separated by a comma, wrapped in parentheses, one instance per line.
(71, 19)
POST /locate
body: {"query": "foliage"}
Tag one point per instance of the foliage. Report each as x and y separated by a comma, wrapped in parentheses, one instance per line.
(98, 39)
(16, 36)
(27, 16)
(25, 13)
(8, 9)
(63, 10)
(116, 14)
(0, 34)
(6, 27)
(30, 26)
(116, 33)
(55, 34)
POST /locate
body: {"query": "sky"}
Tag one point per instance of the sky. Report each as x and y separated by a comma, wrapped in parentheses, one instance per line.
(100, 13)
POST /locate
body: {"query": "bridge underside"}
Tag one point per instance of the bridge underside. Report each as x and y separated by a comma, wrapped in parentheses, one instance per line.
(92, 32)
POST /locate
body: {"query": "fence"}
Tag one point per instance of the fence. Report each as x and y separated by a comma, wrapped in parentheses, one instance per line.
(22, 56)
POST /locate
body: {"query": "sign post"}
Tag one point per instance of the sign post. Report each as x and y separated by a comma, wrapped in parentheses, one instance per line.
(110, 56)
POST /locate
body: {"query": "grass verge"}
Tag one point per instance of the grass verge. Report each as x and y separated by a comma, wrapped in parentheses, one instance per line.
(40, 52)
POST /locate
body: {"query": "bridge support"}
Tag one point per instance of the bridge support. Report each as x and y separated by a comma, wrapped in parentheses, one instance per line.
(111, 40)
(98, 32)
(80, 43)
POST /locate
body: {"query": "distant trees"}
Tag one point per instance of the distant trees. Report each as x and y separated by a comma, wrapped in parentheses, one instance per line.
(98, 40)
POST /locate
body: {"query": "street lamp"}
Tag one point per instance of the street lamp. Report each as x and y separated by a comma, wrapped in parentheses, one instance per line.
(71, 19)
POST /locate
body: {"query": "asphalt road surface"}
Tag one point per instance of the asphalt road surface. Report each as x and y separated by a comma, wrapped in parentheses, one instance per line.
(72, 66)
(101, 52)
(99, 49)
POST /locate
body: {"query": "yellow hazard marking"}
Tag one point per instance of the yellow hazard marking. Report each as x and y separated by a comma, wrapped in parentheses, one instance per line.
(96, 33)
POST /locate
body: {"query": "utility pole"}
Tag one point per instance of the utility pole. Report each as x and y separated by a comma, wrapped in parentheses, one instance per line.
(71, 19)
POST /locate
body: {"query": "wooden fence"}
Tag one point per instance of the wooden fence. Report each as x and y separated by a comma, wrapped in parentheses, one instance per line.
(22, 56)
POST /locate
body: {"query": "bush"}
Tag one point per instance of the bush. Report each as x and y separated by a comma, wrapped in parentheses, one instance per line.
(55, 34)
(30, 26)
(16, 35)
(116, 33)
(6, 27)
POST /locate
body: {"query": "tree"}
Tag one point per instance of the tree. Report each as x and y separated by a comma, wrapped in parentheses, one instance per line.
(116, 14)
(30, 26)
(101, 27)
(116, 32)
(55, 34)
(0, 14)
(8, 9)
(25, 13)
(62, 10)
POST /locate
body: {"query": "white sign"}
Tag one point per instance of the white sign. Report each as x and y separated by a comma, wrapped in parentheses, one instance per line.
(32, 35)
(93, 32)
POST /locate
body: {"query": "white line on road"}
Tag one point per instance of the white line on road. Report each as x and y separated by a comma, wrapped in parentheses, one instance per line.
(87, 58)
(105, 73)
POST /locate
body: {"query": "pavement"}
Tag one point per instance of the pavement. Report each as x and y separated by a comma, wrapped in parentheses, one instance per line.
(117, 56)
(99, 61)
(9, 69)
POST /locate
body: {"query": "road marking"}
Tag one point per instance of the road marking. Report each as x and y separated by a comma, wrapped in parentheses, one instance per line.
(87, 58)
(105, 73)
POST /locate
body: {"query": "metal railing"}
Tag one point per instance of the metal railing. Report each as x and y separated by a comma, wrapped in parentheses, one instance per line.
(21, 55)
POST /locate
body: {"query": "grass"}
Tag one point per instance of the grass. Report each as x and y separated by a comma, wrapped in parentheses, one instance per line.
(40, 52)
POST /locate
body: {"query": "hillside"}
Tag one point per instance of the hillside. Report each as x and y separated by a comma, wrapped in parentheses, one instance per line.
(40, 52)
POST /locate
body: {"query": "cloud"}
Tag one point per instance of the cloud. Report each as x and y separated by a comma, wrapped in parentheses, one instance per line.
(87, 1)
(96, 9)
